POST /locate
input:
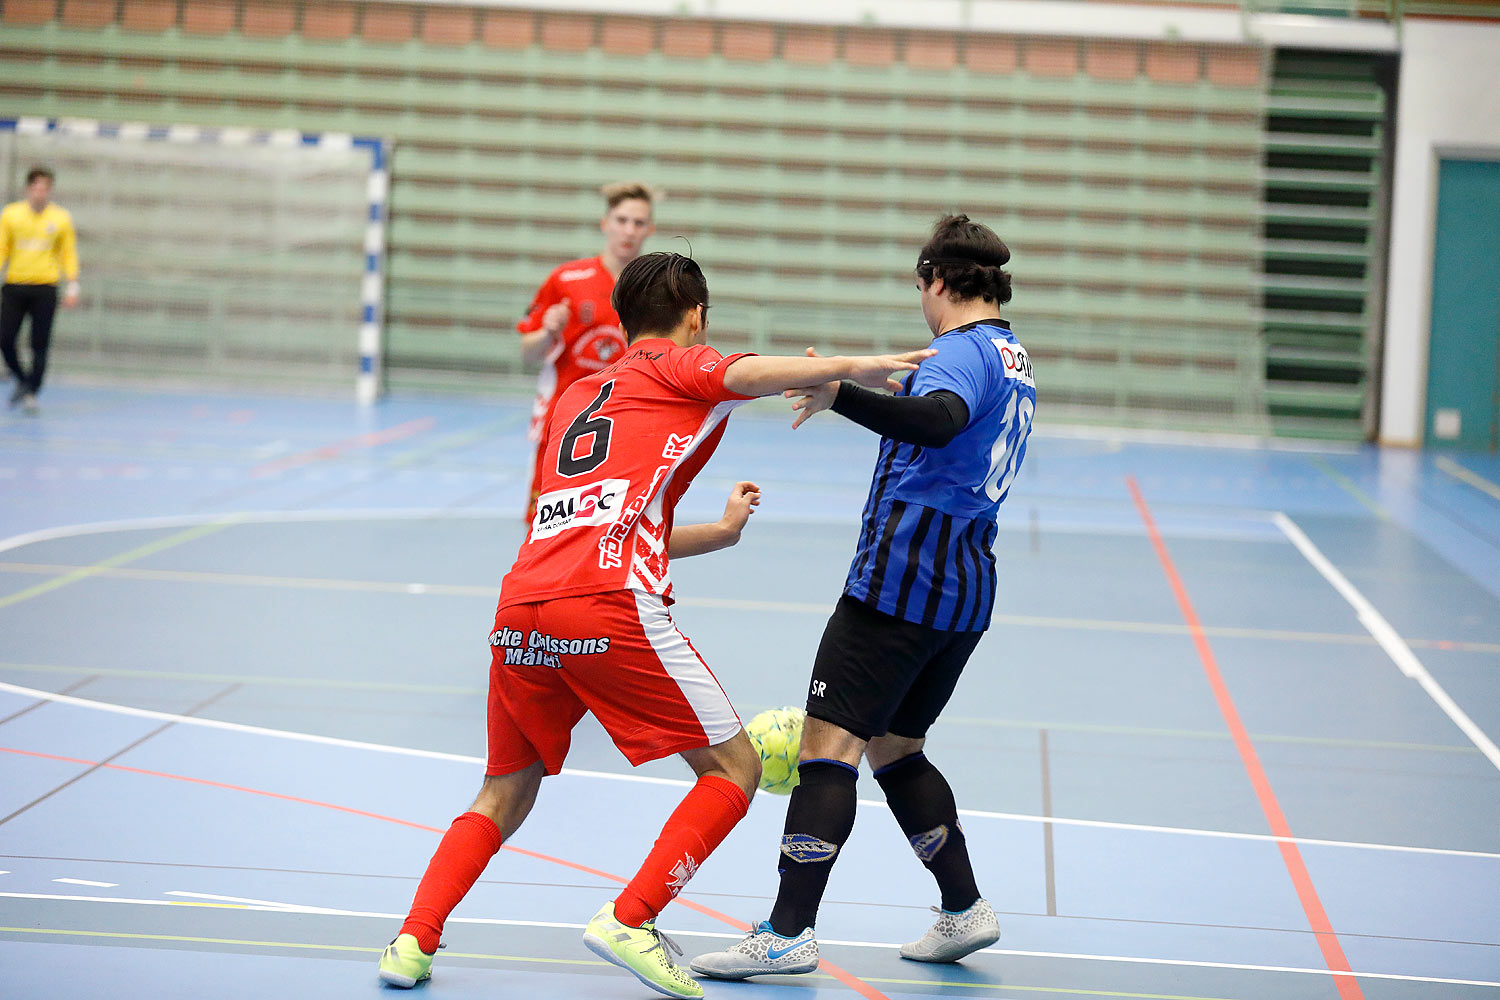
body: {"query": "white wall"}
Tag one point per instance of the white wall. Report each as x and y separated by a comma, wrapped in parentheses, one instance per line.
(1447, 107)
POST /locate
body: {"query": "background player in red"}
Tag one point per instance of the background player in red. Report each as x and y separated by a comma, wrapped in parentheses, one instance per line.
(572, 328)
(583, 622)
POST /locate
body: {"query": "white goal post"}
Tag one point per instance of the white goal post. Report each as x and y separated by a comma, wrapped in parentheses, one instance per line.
(218, 254)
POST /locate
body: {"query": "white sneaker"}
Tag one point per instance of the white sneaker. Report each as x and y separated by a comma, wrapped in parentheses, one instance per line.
(955, 935)
(762, 952)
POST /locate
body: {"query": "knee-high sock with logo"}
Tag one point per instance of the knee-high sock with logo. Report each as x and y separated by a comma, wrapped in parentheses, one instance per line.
(460, 859)
(818, 822)
(698, 825)
(922, 802)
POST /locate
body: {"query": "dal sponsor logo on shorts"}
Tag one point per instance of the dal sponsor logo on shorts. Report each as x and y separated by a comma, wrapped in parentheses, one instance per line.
(578, 506)
(538, 648)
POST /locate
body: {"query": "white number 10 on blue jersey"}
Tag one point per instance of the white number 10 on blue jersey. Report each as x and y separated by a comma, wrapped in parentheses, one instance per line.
(1015, 425)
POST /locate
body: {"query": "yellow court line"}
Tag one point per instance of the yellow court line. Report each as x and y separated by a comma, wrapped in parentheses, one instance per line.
(1469, 476)
(459, 439)
(329, 683)
(1348, 485)
(1202, 734)
(303, 945)
(104, 565)
(257, 580)
(1226, 632)
(471, 590)
(269, 681)
(364, 950)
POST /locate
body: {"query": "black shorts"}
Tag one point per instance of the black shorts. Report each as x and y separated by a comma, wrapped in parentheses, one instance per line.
(876, 674)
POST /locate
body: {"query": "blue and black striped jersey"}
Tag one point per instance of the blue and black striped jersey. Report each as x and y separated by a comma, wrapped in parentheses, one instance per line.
(926, 544)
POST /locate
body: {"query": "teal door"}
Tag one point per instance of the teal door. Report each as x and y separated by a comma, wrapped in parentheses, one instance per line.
(1463, 361)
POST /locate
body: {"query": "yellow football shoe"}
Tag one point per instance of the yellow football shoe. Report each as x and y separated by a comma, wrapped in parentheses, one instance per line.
(404, 963)
(641, 951)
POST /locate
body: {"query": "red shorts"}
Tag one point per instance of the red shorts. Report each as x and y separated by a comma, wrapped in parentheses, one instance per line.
(616, 654)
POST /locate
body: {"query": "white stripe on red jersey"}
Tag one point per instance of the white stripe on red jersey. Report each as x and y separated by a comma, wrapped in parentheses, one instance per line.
(623, 446)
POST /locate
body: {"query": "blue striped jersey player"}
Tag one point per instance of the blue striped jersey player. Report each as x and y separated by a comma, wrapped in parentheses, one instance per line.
(918, 597)
(925, 549)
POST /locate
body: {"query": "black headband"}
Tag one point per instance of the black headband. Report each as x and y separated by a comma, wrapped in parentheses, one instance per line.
(952, 261)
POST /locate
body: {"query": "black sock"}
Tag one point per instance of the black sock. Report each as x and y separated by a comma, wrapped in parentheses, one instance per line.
(922, 803)
(818, 821)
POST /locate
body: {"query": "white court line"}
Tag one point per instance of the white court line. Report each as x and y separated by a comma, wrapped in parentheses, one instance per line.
(252, 902)
(883, 945)
(229, 899)
(1388, 638)
(1472, 478)
(84, 881)
(1102, 824)
(244, 517)
(300, 909)
(189, 720)
(1200, 439)
(436, 514)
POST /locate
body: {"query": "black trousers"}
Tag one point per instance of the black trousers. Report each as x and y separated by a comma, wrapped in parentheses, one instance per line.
(16, 301)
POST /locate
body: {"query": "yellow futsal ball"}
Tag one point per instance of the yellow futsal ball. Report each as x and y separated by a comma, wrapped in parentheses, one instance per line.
(776, 734)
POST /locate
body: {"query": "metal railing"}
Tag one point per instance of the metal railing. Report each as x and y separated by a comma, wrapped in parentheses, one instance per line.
(1383, 10)
(1389, 10)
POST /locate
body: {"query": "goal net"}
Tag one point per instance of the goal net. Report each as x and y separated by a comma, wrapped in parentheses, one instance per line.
(216, 256)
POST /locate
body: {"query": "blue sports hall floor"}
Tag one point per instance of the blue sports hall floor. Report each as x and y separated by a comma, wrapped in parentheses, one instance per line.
(1230, 736)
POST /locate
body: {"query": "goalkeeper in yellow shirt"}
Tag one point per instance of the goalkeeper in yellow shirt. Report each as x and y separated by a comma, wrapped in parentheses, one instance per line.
(38, 248)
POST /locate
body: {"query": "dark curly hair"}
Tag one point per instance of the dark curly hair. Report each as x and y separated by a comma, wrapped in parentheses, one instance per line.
(968, 256)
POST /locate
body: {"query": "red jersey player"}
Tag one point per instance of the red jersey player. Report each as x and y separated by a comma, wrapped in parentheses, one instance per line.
(583, 622)
(572, 327)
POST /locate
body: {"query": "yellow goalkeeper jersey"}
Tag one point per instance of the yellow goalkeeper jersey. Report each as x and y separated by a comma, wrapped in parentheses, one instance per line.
(39, 247)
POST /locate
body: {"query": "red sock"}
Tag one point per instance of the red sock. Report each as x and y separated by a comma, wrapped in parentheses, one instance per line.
(460, 859)
(700, 822)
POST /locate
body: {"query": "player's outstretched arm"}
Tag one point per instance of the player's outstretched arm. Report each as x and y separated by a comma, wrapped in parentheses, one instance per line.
(766, 376)
(811, 399)
(931, 420)
(696, 539)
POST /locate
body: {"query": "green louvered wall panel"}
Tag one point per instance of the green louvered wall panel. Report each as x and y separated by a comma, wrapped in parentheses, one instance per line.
(1133, 207)
(1326, 163)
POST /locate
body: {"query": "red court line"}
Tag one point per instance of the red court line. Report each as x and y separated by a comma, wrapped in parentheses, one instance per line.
(1312, 906)
(370, 440)
(850, 980)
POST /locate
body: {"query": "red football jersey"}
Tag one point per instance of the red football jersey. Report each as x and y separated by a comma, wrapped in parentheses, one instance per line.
(592, 339)
(622, 447)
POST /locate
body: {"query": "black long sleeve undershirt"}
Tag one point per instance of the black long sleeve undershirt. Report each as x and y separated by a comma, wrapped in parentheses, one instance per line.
(930, 421)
